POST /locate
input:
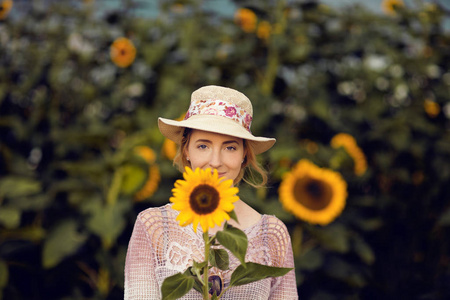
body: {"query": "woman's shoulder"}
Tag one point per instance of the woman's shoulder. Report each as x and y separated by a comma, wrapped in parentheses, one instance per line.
(272, 235)
(273, 222)
(156, 215)
(275, 229)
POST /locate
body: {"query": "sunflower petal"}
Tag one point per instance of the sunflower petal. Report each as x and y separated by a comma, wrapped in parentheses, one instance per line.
(204, 224)
(184, 218)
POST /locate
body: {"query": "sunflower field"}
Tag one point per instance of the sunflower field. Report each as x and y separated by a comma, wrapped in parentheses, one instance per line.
(358, 101)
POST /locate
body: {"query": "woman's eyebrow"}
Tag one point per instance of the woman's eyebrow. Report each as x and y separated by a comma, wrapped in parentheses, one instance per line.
(225, 142)
(203, 141)
(231, 142)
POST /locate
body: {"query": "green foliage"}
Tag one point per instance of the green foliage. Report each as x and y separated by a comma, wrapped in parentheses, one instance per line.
(251, 272)
(70, 119)
(220, 259)
(234, 240)
(176, 286)
(63, 241)
(197, 276)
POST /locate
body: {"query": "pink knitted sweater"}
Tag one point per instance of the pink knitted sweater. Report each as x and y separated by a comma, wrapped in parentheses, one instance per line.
(159, 248)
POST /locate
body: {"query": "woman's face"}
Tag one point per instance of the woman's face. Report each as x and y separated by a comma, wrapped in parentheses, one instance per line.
(216, 151)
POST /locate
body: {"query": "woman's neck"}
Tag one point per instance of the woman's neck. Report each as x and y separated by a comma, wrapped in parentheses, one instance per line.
(246, 215)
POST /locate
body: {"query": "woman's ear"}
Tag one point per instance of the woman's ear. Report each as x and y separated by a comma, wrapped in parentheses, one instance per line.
(186, 154)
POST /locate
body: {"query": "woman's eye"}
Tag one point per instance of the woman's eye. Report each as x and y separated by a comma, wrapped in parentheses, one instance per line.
(231, 148)
(201, 146)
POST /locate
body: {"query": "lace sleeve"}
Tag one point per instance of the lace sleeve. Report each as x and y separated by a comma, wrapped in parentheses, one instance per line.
(140, 278)
(283, 288)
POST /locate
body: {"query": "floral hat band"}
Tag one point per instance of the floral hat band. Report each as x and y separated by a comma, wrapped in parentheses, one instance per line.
(220, 108)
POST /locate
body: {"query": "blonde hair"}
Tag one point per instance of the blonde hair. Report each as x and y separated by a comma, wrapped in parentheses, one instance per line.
(250, 165)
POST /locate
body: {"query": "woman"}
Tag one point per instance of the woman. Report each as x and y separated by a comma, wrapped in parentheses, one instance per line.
(214, 134)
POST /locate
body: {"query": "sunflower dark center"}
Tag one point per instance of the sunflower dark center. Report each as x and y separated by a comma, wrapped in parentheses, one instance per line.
(123, 52)
(204, 199)
(312, 193)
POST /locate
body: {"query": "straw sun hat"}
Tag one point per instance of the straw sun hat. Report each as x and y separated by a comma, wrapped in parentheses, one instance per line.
(220, 110)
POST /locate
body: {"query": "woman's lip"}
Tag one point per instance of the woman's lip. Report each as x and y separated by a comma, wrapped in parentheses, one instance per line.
(222, 174)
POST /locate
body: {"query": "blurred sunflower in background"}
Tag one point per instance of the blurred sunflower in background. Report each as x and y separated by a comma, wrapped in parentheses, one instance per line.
(431, 108)
(348, 142)
(202, 197)
(313, 194)
(169, 147)
(151, 184)
(264, 30)
(5, 8)
(122, 52)
(246, 19)
(389, 7)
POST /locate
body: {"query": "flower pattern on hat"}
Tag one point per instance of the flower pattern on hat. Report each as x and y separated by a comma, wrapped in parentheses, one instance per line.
(220, 108)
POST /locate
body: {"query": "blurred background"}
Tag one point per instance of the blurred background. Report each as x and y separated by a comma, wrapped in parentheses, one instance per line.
(359, 89)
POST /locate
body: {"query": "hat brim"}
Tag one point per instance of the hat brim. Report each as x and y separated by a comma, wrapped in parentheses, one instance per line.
(173, 130)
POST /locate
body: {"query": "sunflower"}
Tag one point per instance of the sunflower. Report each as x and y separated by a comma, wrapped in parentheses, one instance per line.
(246, 19)
(5, 8)
(264, 30)
(122, 52)
(313, 194)
(154, 176)
(169, 149)
(202, 197)
(390, 6)
(310, 146)
(348, 142)
(431, 108)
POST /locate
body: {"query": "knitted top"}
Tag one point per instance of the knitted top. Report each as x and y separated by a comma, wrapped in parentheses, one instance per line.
(159, 247)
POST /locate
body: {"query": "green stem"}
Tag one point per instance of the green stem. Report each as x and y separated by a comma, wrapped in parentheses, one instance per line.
(206, 268)
(114, 188)
(273, 56)
(223, 292)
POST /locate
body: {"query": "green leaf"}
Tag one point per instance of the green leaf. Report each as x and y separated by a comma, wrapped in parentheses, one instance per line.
(364, 251)
(310, 260)
(28, 233)
(253, 272)
(234, 240)
(197, 268)
(219, 258)
(444, 219)
(200, 265)
(4, 274)
(10, 217)
(345, 271)
(108, 221)
(133, 178)
(197, 284)
(33, 202)
(63, 241)
(233, 216)
(14, 186)
(176, 286)
(334, 237)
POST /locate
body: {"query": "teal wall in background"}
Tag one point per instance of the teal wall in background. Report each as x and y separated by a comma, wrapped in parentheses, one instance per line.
(227, 8)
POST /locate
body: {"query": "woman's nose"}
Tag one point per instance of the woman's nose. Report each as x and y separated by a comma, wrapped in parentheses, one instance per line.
(215, 160)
